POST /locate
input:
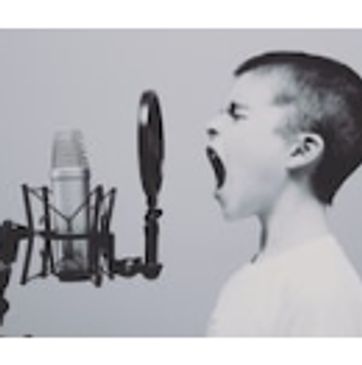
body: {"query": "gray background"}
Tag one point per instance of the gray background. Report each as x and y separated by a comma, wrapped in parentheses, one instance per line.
(92, 80)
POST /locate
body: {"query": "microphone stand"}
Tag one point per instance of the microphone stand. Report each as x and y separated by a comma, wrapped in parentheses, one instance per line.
(10, 235)
(100, 239)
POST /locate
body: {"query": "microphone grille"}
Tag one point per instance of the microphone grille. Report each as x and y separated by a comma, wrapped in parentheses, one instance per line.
(68, 150)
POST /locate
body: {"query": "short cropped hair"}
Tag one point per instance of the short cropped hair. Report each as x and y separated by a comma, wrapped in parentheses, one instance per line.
(328, 99)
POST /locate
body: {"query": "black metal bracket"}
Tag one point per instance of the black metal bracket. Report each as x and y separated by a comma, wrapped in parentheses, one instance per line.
(99, 238)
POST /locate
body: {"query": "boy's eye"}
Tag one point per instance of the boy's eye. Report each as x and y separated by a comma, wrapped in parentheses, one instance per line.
(235, 112)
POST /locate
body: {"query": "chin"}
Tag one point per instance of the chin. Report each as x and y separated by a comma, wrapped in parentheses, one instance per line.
(233, 213)
(228, 215)
(235, 205)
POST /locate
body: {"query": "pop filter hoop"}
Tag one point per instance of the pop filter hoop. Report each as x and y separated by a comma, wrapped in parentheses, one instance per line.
(150, 145)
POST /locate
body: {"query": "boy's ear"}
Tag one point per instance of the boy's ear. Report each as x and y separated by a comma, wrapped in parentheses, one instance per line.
(305, 151)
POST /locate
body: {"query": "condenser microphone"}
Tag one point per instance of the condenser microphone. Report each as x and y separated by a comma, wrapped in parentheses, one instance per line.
(70, 181)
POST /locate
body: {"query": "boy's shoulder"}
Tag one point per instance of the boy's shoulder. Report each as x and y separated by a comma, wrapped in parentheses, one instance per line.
(323, 273)
(313, 284)
(317, 270)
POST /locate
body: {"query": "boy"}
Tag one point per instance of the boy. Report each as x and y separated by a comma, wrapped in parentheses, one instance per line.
(288, 137)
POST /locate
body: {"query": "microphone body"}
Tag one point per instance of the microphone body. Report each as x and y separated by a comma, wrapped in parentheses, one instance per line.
(70, 180)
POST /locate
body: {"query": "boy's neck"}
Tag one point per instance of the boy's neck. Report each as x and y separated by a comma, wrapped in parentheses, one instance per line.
(296, 218)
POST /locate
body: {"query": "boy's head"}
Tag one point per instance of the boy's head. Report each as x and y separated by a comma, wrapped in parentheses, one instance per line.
(288, 113)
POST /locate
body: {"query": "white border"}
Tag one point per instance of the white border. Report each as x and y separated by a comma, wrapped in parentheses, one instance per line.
(173, 351)
(179, 14)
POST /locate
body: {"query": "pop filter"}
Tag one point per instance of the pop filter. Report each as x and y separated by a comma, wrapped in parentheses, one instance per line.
(150, 158)
(150, 145)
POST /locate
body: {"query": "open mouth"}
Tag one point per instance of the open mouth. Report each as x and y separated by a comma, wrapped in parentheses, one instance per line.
(218, 166)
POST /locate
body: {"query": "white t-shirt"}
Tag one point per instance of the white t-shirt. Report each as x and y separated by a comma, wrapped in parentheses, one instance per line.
(309, 290)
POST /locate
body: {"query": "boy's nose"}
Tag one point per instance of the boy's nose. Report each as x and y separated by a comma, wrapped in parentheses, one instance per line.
(213, 128)
(211, 132)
